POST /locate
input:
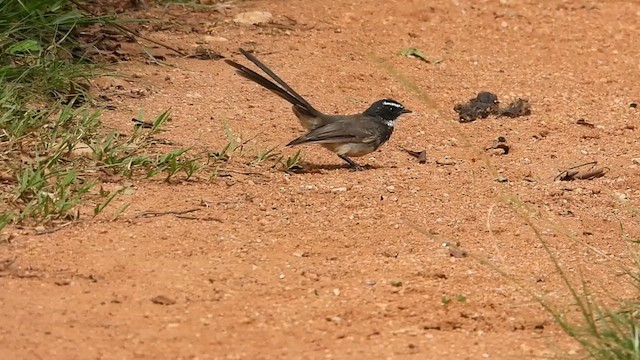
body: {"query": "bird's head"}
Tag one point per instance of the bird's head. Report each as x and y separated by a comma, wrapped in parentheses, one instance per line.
(387, 109)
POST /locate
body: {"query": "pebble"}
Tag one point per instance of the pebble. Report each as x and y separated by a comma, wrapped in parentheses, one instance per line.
(339, 189)
(621, 196)
(253, 18)
(445, 161)
(396, 282)
(81, 150)
(209, 38)
(162, 300)
(635, 161)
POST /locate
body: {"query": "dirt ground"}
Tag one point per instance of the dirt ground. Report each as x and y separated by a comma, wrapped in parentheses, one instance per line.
(329, 263)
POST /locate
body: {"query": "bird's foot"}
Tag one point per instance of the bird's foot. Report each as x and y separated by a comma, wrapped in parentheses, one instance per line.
(353, 166)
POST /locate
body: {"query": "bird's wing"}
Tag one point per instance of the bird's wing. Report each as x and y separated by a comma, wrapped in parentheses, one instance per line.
(339, 132)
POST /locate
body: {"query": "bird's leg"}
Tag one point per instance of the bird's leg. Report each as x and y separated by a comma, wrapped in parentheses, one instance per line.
(354, 165)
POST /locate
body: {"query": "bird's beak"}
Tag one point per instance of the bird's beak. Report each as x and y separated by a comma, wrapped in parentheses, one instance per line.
(406, 111)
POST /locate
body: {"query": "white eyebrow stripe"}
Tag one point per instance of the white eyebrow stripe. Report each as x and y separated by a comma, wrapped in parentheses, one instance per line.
(388, 103)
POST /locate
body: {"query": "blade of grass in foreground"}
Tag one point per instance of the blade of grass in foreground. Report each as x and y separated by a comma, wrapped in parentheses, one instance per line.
(603, 333)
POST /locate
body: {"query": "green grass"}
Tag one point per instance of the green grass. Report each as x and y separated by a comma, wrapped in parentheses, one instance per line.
(55, 157)
(604, 331)
(53, 148)
(40, 48)
(42, 84)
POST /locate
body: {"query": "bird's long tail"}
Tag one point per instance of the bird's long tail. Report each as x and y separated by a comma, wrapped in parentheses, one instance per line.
(282, 90)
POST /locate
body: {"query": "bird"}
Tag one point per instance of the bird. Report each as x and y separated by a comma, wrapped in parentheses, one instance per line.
(348, 136)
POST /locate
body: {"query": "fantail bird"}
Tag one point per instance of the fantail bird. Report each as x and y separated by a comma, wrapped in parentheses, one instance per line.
(346, 135)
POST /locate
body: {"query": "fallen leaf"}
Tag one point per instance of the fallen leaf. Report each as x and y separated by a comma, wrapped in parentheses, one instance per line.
(584, 122)
(162, 300)
(420, 155)
(413, 52)
(520, 107)
(574, 172)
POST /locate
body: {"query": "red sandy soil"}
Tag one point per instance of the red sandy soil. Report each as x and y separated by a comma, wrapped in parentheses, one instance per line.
(329, 263)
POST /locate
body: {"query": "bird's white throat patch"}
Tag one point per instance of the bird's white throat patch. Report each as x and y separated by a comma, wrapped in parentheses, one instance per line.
(390, 123)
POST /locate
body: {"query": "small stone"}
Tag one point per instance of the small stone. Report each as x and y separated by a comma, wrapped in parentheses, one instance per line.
(635, 161)
(445, 161)
(391, 188)
(81, 150)
(621, 196)
(457, 252)
(339, 189)
(502, 179)
(106, 82)
(6, 238)
(162, 300)
(633, 104)
(496, 151)
(395, 282)
(311, 276)
(253, 18)
(336, 291)
(209, 38)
